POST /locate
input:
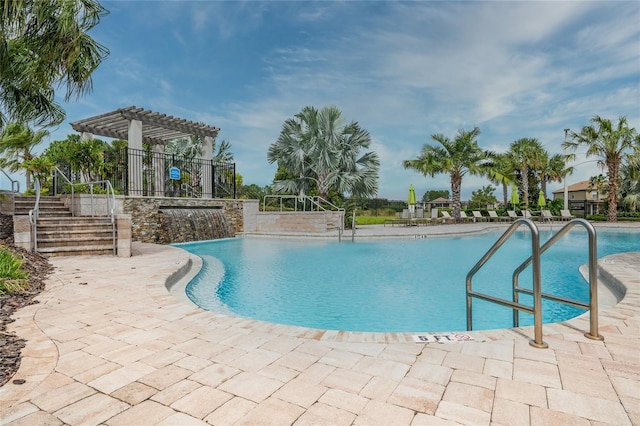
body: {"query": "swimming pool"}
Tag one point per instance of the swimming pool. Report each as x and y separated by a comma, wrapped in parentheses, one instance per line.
(387, 286)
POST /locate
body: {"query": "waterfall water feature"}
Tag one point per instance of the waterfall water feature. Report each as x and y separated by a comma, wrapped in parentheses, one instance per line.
(179, 225)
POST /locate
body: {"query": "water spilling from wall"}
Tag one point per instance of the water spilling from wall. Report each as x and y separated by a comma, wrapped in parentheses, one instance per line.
(179, 225)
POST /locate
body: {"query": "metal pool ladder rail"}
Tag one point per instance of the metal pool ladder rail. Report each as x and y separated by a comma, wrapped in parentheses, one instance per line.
(534, 260)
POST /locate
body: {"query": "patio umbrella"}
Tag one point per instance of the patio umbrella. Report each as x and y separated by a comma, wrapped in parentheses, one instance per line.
(515, 197)
(411, 200)
(542, 202)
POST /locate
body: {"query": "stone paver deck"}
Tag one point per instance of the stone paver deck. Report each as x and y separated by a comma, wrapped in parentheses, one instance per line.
(108, 344)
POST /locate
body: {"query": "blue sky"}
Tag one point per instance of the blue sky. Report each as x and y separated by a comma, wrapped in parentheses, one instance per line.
(403, 70)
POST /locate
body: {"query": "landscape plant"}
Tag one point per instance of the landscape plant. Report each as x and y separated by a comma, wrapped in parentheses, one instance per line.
(44, 44)
(611, 143)
(318, 150)
(13, 277)
(457, 157)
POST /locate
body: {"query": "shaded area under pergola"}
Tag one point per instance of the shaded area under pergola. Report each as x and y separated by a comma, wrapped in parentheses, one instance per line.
(138, 126)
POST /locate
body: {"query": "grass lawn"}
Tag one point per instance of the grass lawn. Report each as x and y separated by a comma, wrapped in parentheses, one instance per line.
(373, 220)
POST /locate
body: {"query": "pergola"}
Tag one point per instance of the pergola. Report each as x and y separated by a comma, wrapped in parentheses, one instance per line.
(138, 126)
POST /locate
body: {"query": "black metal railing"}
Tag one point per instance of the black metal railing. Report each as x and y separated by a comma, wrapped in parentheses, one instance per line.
(149, 173)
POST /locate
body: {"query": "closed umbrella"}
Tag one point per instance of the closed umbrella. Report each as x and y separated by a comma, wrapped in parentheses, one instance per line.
(411, 200)
(515, 197)
(542, 202)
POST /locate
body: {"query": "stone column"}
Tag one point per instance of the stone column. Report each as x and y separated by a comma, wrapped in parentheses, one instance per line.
(123, 227)
(206, 168)
(135, 157)
(158, 167)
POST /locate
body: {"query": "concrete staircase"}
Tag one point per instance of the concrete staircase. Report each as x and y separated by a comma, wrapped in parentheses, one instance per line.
(60, 234)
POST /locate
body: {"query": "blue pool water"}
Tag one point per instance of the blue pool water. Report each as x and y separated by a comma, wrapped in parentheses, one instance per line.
(390, 285)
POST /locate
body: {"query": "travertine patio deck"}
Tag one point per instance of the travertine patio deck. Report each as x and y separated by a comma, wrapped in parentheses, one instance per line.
(108, 344)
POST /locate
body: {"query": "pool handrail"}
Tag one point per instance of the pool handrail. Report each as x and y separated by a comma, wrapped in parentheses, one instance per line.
(537, 294)
(592, 306)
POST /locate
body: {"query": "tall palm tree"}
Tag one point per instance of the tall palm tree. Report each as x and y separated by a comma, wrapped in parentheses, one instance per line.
(501, 172)
(16, 144)
(552, 169)
(597, 183)
(45, 44)
(630, 186)
(316, 149)
(457, 157)
(611, 143)
(526, 154)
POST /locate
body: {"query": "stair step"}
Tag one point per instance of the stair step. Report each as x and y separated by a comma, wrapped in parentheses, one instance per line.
(76, 250)
(74, 242)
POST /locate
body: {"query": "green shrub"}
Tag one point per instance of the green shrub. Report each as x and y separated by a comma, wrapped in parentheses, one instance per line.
(13, 277)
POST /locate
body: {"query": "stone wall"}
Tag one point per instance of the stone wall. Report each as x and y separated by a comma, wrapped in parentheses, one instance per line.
(305, 222)
(6, 227)
(145, 217)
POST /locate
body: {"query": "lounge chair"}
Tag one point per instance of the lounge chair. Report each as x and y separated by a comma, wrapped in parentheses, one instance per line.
(464, 217)
(477, 216)
(420, 218)
(446, 217)
(405, 219)
(512, 215)
(566, 215)
(527, 214)
(493, 217)
(546, 216)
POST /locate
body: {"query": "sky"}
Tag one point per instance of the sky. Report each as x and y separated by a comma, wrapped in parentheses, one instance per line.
(403, 70)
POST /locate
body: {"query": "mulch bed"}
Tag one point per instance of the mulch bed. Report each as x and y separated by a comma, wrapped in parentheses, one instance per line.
(10, 344)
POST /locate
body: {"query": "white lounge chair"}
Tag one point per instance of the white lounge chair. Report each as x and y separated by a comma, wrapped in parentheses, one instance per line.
(512, 215)
(493, 217)
(546, 216)
(477, 216)
(464, 217)
(566, 215)
(446, 217)
(403, 220)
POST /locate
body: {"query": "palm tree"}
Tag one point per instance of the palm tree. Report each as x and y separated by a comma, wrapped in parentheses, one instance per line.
(191, 148)
(552, 169)
(317, 149)
(456, 157)
(630, 186)
(45, 43)
(16, 144)
(610, 143)
(502, 173)
(597, 183)
(526, 155)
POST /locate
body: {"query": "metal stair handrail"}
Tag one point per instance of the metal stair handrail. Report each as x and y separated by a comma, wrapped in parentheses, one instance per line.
(15, 185)
(592, 306)
(111, 200)
(534, 260)
(536, 310)
(57, 171)
(34, 213)
(316, 203)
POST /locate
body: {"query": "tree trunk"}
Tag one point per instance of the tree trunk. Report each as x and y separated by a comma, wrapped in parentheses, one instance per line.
(505, 194)
(613, 167)
(456, 183)
(525, 186)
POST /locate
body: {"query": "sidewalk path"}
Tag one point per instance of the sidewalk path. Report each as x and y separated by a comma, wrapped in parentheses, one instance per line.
(108, 344)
